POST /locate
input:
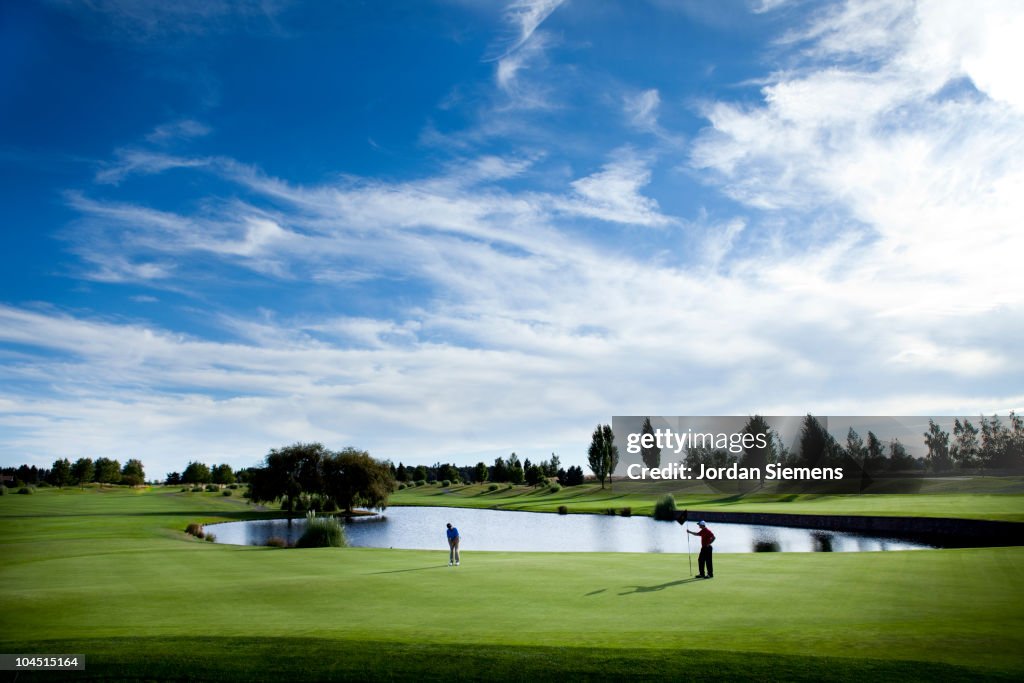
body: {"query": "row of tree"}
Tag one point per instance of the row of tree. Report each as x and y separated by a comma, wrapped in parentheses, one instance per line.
(200, 473)
(102, 471)
(504, 470)
(992, 444)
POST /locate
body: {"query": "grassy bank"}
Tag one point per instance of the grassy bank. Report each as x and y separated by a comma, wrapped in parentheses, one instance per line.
(111, 574)
(979, 498)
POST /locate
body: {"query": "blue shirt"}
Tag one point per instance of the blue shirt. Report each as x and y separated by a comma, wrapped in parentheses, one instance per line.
(453, 533)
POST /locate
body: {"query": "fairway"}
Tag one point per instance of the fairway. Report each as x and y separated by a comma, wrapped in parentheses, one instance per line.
(110, 574)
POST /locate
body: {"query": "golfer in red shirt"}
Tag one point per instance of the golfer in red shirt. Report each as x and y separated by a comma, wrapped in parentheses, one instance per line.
(706, 539)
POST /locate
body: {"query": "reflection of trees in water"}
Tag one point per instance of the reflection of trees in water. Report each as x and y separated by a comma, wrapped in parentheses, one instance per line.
(822, 542)
(766, 542)
(762, 546)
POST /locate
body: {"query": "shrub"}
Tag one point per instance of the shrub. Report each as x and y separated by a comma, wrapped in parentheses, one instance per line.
(211, 538)
(665, 508)
(322, 532)
(225, 493)
(610, 511)
(330, 506)
(421, 482)
(44, 485)
(555, 487)
(492, 487)
(401, 487)
(197, 489)
(25, 491)
(184, 489)
(210, 488)
(276, 542)
(563, 509)
(507, 487)
(3, 490)
(626, 512)
(195, 529)
(232, 486)
(446, 483)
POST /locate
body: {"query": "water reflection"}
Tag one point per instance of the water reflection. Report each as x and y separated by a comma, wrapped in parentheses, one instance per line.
(423, 528)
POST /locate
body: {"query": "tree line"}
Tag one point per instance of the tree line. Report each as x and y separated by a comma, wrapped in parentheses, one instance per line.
(992, 444)
(510, 470)
(82, 471)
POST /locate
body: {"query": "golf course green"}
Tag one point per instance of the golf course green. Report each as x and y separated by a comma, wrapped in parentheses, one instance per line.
(110, 573)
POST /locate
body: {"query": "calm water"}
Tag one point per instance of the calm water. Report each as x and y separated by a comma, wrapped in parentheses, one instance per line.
(423, 528)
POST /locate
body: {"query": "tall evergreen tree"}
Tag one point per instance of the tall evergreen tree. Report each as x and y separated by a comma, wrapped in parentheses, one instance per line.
(603, 454)
(651, 456)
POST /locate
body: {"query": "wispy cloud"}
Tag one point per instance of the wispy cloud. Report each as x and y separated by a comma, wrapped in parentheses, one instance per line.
(525, 50)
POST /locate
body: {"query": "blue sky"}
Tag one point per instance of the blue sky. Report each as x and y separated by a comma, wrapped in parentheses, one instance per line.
(452, 230)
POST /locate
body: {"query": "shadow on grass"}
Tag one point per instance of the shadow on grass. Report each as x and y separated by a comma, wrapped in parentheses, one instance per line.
(661, 587)
(413, 569)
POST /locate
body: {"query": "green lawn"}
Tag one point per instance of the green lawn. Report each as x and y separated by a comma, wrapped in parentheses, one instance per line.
(111, 575)
(985, 498)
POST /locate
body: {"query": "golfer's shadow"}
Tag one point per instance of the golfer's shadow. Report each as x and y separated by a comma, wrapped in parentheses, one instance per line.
(661, 587)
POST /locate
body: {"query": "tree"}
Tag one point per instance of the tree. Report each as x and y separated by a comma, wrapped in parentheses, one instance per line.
(552, 466)
(83, 471)
(651, 456)
(60, 473)
(965, 444)
(938, 448)
(401, 474)
(817, 447)
(756, 455)
(173, 479)
(132, 473)
(222, 474)
(352, 477)
(574, 477)
(534, 474)
(499, 472)
(855, 449)
(875, 454)
(196, 473)
(420, 473)
(288, 472)
(515, 470)
(449, 472)
(603, 454)
(899, 459)
(107, 471)
(480, 473)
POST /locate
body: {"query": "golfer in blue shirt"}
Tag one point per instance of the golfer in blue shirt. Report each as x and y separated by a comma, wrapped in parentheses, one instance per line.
(453, 545)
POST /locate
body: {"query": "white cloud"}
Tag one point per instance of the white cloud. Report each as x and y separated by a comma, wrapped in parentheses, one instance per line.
(642, 109)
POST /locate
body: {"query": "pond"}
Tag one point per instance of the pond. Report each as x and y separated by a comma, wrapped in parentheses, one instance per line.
(423, 528)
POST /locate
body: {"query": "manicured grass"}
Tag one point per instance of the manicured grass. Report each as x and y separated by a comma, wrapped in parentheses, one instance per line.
(987, 498)
(122, 583)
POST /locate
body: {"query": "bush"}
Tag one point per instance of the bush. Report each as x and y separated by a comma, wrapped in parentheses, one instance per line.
(211, 538)
(25, 491)
(446, 483)
(322, 532)
(492, 487)
(421, 482)
(197, 489)
(43, 485)
(665, 508)
(508, 486)
(210, 488)
(195, 529)
(232, 486)
(184, 489)
(626, 512)
(401, 487)
(276, 542)
(563, 509)
(3, 490)
(225, 493)
(555, 487)
(610, 511)
(330, 506)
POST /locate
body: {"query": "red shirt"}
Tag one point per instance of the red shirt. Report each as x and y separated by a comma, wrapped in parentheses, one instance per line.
(706, 537)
